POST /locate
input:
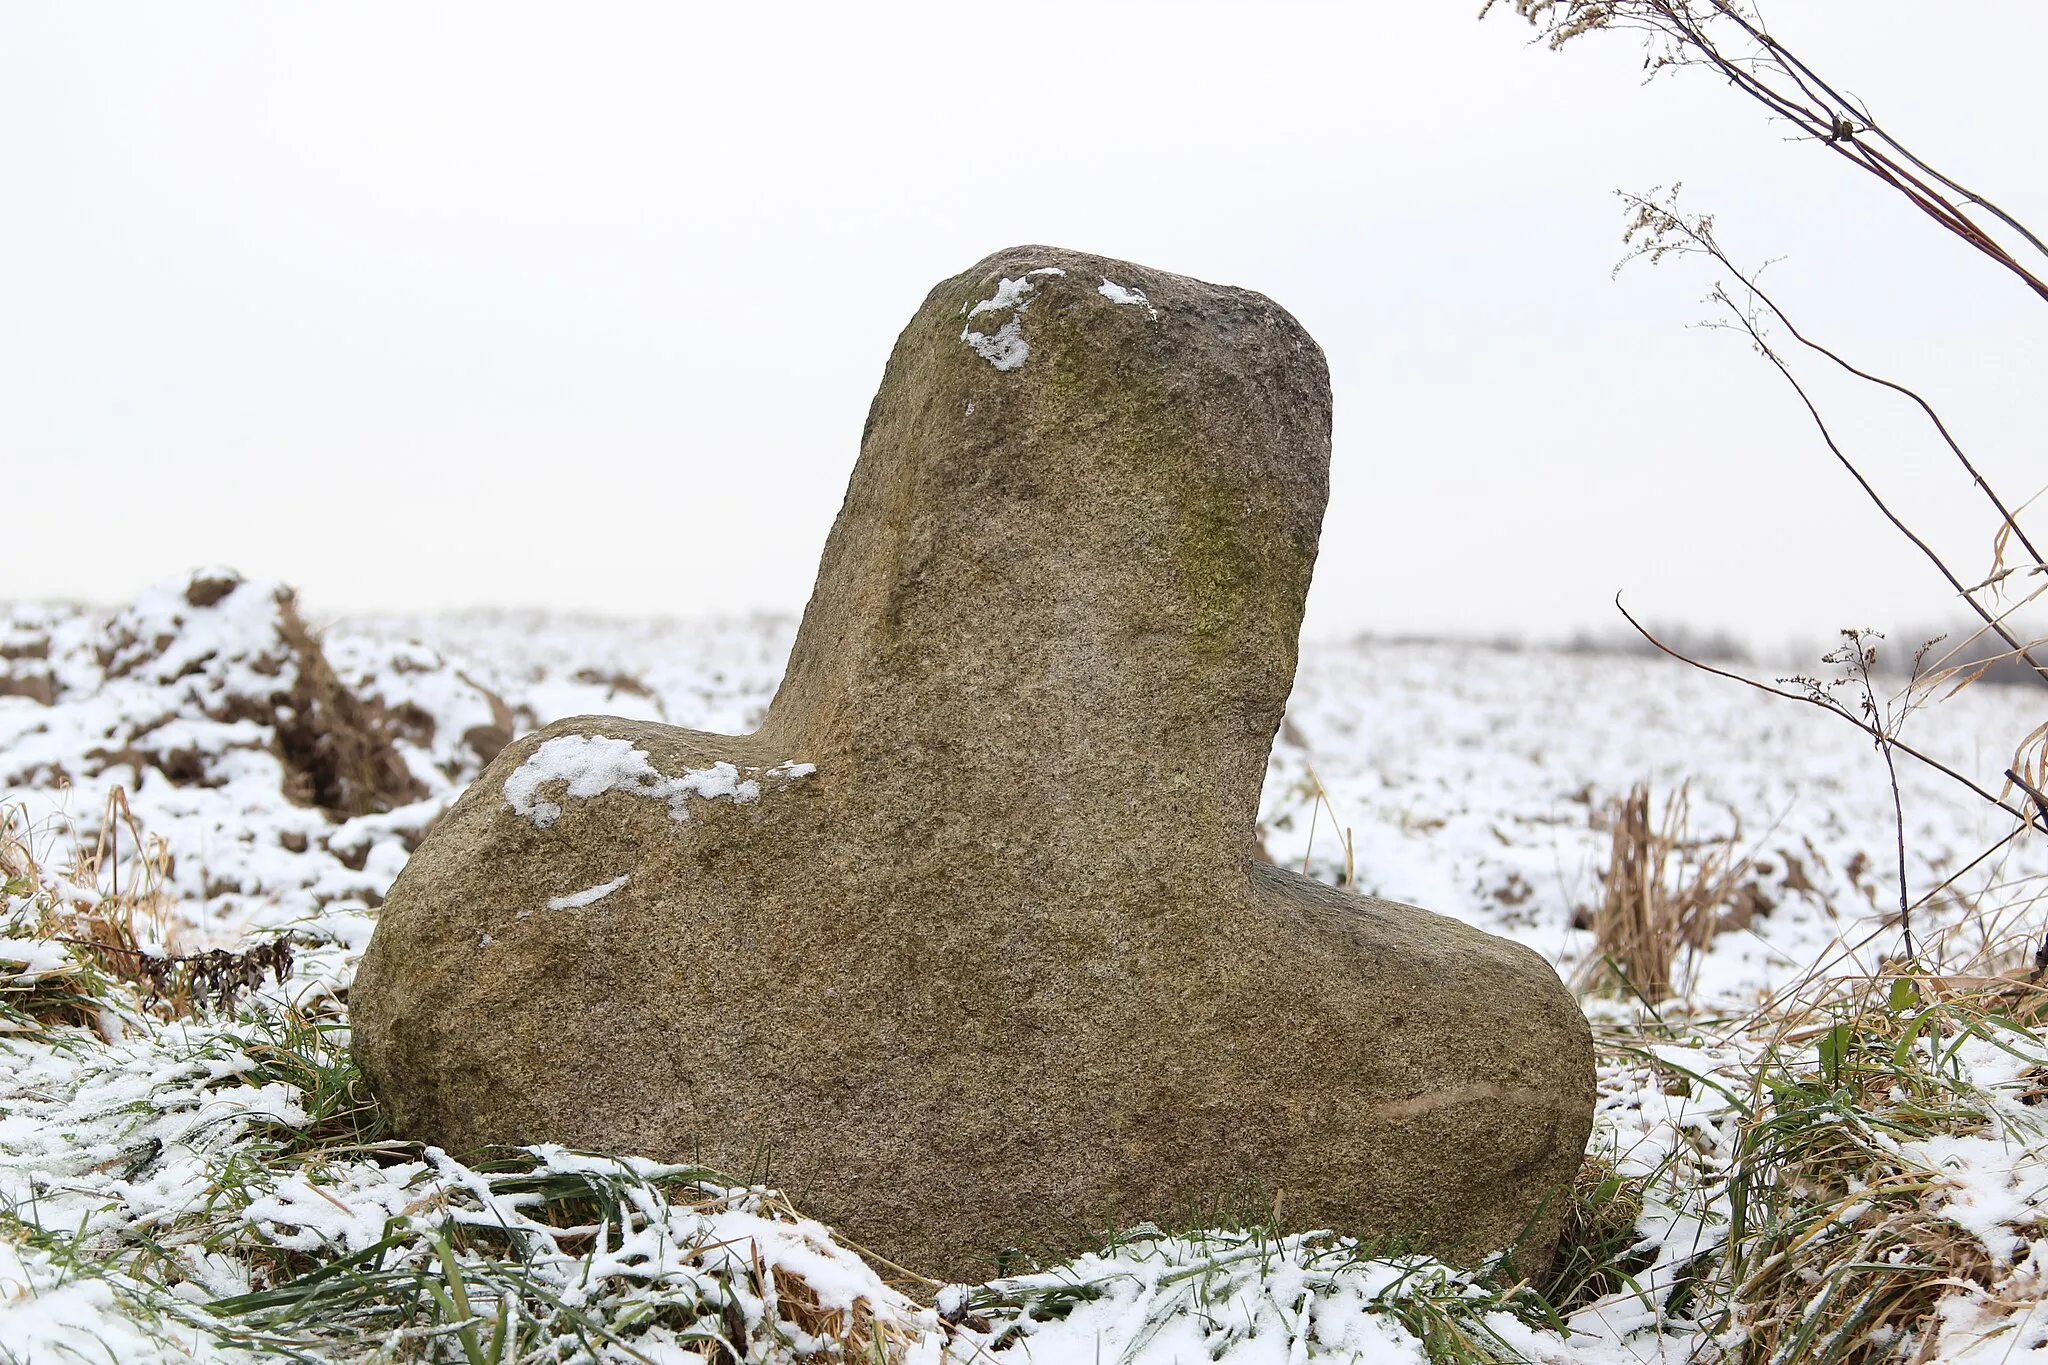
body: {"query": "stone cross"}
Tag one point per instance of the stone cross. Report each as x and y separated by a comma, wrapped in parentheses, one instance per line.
(969, 948)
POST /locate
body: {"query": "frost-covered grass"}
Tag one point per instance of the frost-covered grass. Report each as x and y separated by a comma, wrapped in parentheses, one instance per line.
(1834, 1178)
(1812, 1151)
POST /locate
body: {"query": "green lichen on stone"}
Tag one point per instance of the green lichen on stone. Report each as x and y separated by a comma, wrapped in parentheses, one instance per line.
(1153, 455)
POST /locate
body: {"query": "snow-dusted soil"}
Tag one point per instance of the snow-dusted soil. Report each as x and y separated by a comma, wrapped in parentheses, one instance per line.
(1468, 780)
(1472, 781)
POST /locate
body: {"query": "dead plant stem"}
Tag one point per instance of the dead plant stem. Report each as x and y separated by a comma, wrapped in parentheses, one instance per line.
(1899, 815)
(2025, 817)
(2005, 514)
(1770, 353)
(2040, 800)
(1811, 104)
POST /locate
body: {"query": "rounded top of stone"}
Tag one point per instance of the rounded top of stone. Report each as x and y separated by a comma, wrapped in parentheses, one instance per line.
(1027, 258)
(1006, 285)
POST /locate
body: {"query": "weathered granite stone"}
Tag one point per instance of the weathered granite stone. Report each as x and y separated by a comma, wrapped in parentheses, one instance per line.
(967, 946)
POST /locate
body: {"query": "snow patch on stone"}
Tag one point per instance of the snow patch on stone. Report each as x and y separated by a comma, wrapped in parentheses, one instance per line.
(1117, 293)
(1009, 294)
(589, 895)
(1006, 349)
(592, 765)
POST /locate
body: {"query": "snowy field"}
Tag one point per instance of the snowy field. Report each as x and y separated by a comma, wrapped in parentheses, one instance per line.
(205, 1186)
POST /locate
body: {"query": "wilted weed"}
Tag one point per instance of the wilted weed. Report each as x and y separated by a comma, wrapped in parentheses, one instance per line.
(1664, 891)
(97, 958)
(44, 984)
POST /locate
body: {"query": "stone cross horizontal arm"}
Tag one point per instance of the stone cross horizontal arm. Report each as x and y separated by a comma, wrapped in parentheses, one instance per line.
(969, 947)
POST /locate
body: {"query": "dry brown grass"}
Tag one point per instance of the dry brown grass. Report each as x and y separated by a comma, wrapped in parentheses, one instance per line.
(110, 911)
(1663, 892)
(100, 929)
(853, 1334)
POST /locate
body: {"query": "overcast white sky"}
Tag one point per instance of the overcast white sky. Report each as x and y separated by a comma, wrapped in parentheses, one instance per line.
(582, 306)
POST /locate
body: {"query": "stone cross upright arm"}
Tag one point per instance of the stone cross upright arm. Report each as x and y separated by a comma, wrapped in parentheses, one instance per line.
(968, 947)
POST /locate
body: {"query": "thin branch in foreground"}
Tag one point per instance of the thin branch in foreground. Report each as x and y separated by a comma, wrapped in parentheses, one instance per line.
(1659, 229)
(2024, 816)
(2040, 801)
(1860, 655)
(1996, 624)
(2009, 524)
(1697, 33)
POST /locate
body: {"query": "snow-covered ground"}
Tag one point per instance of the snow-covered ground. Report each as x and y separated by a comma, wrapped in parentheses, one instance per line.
(1469, 780)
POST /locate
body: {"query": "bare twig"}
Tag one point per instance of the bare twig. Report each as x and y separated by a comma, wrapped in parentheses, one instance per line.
(2006, 516)
(1990, 619)
(2025, 817)
(2040, 801)
(1659, 229)
(1728, 39)
(1885, 742)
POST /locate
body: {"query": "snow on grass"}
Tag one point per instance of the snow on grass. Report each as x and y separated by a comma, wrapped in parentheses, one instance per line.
(1788, 1164)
